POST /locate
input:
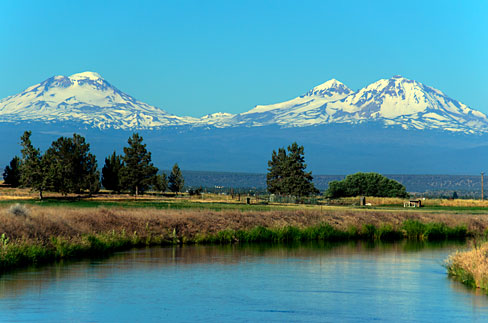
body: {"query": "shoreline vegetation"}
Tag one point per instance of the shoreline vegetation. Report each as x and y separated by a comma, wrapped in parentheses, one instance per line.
(34, 234)
(470, 267)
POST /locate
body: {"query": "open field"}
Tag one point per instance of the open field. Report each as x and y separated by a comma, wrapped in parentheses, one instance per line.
(237, 202)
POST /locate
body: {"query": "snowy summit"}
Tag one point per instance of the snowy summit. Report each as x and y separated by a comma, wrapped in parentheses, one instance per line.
(84, 98)
(88, 99)
(395, 101)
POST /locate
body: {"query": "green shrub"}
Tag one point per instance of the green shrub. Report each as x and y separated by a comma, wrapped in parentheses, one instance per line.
(414, 229)
(435, 231)
(368, 231)
(366, 184)
(388, 233)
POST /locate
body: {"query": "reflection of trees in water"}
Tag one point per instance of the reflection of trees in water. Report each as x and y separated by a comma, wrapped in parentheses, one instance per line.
(18, 282)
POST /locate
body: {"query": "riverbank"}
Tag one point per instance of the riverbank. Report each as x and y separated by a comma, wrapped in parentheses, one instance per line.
(470, 267)
(38, 234)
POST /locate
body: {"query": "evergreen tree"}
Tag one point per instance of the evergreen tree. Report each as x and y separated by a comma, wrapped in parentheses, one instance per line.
(32, 170)
(176, 180)
(297, 182)
(276, 171)
(138, 171)
(11, 173)
(160, 183)
(111, 173)
(286, 173)
(70, 167)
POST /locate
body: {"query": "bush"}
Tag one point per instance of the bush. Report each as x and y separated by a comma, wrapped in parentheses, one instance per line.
(367, 184)
(414, 229)
(19, 210)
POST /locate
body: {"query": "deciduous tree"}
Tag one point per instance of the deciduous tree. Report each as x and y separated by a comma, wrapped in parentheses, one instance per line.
(367, 184)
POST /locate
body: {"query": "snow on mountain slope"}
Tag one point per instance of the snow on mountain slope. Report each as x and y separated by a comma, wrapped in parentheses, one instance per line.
(88, 99)
(395, 101)
(411, 104)
(218, 120)
(301, 111)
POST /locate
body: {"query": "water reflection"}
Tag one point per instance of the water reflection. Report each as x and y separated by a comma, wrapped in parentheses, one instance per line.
(307, 282)
(37, 277)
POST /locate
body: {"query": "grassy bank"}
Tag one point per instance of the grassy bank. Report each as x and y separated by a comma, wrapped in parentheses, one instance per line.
(39, 234)
(24, 252)
(470, 267)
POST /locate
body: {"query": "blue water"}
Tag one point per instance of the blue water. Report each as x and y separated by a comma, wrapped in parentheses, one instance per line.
(308, 282)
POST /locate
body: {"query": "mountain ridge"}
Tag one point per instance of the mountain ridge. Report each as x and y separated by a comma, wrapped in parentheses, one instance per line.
(88, 99)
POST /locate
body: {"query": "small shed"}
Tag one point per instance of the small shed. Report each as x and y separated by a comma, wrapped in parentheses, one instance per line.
(413, 203)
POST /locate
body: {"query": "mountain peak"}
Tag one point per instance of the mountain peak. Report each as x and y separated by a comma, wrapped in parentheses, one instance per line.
(85, 98)
(331, 88)
(85, 75)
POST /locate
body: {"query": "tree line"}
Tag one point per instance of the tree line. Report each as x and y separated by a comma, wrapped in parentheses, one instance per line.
(67, 166)
(287, 177)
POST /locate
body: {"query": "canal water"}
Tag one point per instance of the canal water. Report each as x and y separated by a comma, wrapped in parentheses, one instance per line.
(351, 282)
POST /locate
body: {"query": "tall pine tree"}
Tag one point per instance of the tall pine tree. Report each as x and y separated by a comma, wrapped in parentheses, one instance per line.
(138, 171)
(32, 170)
(160, 183)
(287, 175)
(11, 173)
(111, 173)
(70, 167)
(276, 171)
(176, 180)
(298, 182)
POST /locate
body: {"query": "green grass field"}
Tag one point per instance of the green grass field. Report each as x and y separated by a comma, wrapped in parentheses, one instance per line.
(182, 203)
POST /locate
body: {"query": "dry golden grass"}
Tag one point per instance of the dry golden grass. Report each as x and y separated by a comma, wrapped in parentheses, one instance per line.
(471, 267)
(42, 223)
(378, 201)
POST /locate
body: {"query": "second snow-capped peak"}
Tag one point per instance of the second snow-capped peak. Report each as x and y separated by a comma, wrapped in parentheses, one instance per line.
(332, 89)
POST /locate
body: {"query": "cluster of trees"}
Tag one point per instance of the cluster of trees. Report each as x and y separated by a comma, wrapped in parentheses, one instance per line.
(69, 167)
(286, 173)
(287, 176)
(367, 184)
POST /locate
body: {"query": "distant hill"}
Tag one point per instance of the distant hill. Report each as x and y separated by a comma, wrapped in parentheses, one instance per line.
(414, 183)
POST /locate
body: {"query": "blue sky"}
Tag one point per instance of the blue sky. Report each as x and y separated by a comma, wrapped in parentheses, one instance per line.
(199, 57)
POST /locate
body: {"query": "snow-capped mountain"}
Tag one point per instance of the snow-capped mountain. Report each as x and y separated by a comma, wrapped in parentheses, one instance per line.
(88, 99)
(411, 104)
(395, 101)
(301, 111)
